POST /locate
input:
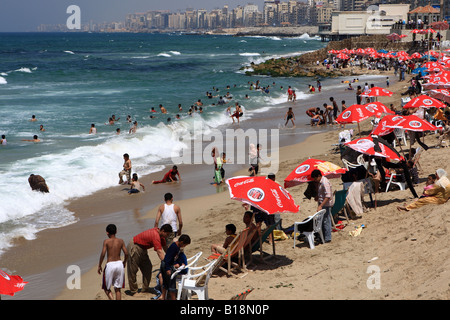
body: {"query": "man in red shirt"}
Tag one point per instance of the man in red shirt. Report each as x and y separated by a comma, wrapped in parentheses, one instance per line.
(138, 257)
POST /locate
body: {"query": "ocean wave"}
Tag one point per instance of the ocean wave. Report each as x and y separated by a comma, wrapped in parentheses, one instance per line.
(3, 80)
(69, 52)
(176, 53)
(163, 54)
(306, 36)
(249, 54)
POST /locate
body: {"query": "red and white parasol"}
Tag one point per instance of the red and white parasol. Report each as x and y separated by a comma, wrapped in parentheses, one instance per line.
(302, 173)
(10, 284)
(262, 193)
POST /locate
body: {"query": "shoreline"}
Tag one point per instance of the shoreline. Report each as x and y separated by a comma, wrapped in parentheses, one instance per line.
(88, 233)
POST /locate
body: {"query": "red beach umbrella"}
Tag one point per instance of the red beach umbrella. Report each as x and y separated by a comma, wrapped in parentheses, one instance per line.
(355, 114)
(439, 25)
(342, 56)
(441, 94)
(360, 51)
(302, 173)
(382, 128)
(424, 101)
(413, 123)
(262, 193)
(379, 108)
(10, 284)
(377, 92)
(415, 31)
(416, 55)
(375, 146)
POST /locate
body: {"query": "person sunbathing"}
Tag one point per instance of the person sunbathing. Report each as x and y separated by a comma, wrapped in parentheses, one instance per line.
(438, 194)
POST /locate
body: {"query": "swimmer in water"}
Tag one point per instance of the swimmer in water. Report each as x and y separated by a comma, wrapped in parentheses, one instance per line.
(35, 139)
(93, 129)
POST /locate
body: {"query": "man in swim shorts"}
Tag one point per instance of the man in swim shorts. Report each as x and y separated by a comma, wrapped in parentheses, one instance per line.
(114, 271)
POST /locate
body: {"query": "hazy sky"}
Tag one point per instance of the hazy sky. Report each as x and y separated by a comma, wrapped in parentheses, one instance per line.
(26, 15)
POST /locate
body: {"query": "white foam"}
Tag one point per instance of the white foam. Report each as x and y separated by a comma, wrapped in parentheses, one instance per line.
(163, 54)
(176, 53)
(69, 52)
(249, 54)
(3, 80)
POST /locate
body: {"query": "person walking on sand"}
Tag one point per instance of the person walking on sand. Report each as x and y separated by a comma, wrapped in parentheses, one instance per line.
(138, 258)
(169, 213)
(114, 271)
(289, 116)
(126, 170)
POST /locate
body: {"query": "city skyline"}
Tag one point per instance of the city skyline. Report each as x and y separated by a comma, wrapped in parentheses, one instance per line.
(27, 15)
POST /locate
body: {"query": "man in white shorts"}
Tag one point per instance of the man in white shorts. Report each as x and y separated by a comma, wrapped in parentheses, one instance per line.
(114, 272)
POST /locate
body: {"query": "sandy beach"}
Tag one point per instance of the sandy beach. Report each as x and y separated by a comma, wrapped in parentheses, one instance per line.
(407, 248)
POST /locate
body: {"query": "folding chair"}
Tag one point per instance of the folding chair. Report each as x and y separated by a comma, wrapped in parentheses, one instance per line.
(258, 244)
(340, 204)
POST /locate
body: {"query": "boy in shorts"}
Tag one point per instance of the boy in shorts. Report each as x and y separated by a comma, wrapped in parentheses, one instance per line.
(114, 271)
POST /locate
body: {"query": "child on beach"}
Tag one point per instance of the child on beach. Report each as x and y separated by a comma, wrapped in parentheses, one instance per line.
(93, 129)
(3, 141)
(230, 230)
(135, 185)
(114, 271)
(431, 179)
(289, 116)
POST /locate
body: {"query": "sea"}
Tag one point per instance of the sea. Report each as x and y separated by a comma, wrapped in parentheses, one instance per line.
(72, 80)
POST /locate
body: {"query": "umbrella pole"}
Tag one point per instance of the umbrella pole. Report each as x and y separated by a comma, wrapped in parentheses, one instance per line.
(359, 130)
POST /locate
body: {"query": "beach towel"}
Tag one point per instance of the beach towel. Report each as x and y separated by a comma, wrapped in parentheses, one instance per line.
(354, 197)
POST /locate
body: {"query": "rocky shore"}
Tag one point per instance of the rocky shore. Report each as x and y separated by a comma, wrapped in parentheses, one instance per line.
(305, 65)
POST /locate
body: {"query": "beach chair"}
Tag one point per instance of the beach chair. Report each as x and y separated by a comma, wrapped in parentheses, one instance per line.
(317, 219)
(196, 282)
(242, 295)
(258, 244)
(234, 250)
(340, 204)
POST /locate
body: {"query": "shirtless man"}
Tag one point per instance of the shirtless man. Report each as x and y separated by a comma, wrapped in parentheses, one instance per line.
(126, 169)
(163, 110)
(328, 112)
(312, 111)
(114, 272)
(33, 118)
(238, 113)
(133, 128)
(35, 139)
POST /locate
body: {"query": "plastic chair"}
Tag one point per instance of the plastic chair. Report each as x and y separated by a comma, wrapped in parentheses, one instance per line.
(399, 136)
(197, 283)
(317, 219)
(391, 177)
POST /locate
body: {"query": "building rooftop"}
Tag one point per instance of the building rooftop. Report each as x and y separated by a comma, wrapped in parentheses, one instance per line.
(426, 9)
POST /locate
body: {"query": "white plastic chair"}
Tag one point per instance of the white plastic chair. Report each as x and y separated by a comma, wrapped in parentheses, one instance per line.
(400, 136)
(190, 282)
(317, 228)
(402, 185)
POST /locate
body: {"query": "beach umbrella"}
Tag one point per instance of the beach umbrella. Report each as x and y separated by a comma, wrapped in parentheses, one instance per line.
(10, 284)
(416, 55)
(377, 92)
(262, 193)
(424, 101)
(430, 65)
(421, 70)
(437, 84)
(355, 114)
(416, 31)
(439, 25)
(302, 173)
(412, 123)
(342, 56)
(382, 129)
(441, 94)
(378, 108)
(375, 146)
(360, 51)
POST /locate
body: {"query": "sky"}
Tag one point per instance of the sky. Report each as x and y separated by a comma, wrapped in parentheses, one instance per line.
(26, 15)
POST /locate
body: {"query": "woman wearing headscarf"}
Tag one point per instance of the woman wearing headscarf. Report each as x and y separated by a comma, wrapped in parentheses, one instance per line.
(439, 194)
